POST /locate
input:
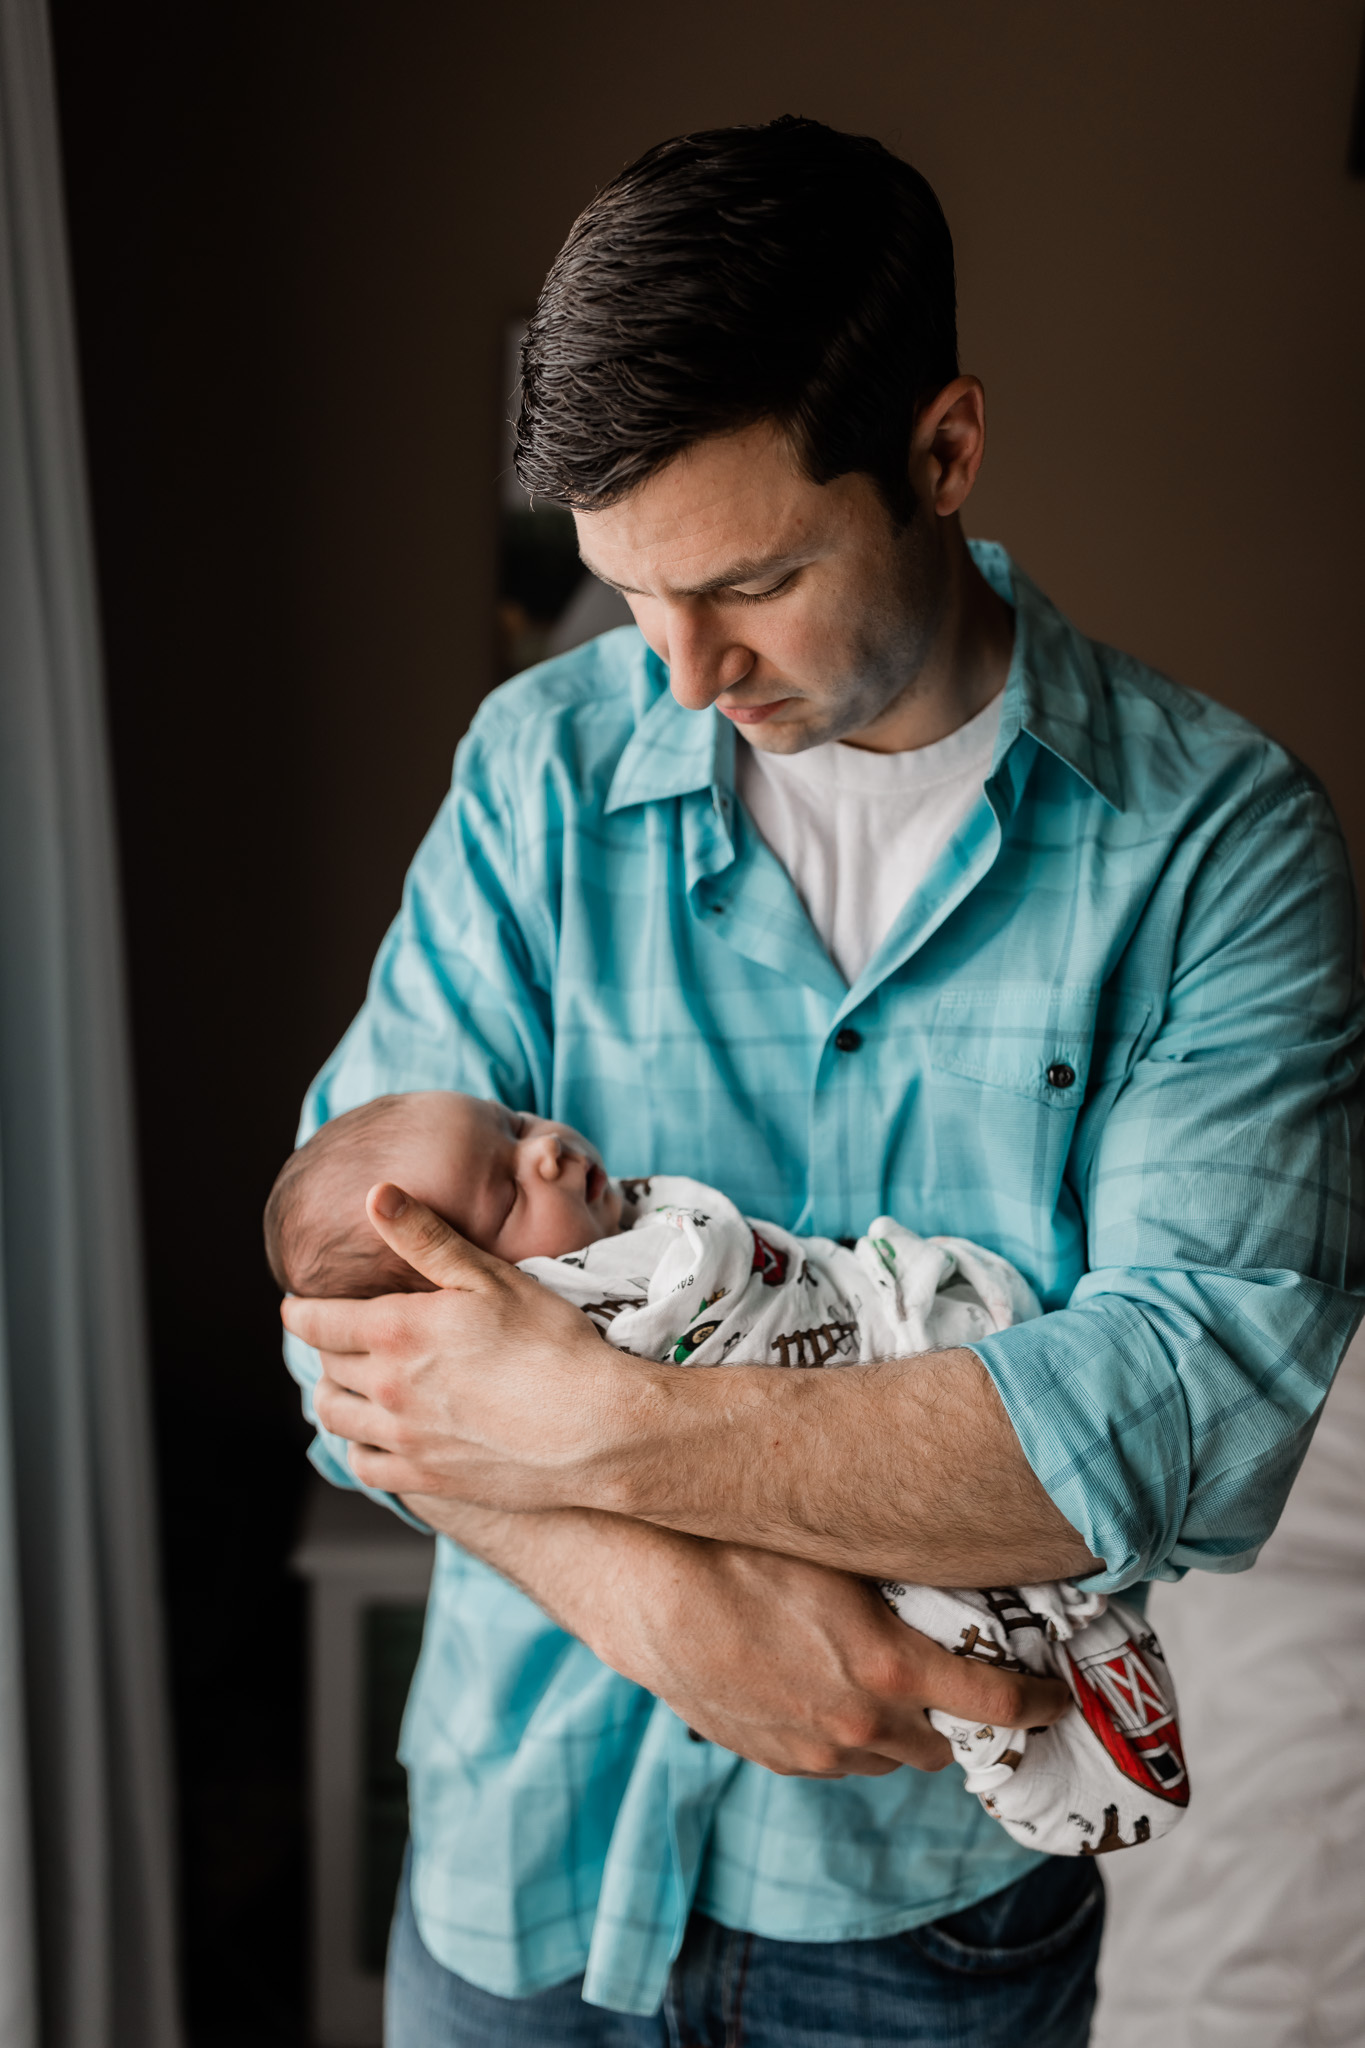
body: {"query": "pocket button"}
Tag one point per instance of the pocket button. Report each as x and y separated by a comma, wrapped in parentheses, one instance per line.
(1060, 1075)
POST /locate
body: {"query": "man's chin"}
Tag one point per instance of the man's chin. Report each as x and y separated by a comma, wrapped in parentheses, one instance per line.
(791, 736)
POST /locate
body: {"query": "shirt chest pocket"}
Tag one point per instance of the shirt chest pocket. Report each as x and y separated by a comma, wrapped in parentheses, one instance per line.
(1028, 1039)
(1010, 1069)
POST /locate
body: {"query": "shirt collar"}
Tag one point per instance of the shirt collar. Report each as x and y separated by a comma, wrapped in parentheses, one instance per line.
(1054, 692)
(671, 751)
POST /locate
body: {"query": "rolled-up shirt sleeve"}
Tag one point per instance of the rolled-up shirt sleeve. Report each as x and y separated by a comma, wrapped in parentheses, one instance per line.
(1167, 1407)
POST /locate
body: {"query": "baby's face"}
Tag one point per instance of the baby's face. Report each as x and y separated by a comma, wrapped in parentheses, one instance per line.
(516, 1185)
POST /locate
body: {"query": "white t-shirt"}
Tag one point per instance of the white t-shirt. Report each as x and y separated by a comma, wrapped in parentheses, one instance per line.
(858, 832)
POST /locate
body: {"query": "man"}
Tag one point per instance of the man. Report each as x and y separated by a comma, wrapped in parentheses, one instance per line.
(856, 880)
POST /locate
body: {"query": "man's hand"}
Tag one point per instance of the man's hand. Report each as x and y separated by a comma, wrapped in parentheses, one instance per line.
(489, 1390)
(803, 1670)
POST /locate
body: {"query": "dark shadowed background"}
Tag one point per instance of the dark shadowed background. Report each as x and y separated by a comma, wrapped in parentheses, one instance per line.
(298, 232)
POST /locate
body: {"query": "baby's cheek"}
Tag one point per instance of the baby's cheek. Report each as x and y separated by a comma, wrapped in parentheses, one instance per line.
(554, 1223)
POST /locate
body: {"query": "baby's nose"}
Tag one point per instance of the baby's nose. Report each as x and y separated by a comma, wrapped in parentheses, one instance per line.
(551, 1149)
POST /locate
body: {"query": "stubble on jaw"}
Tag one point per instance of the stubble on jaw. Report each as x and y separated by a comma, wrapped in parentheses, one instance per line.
(888, 649)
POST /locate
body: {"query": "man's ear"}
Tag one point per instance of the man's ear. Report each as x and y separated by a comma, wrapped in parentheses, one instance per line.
(948, 444)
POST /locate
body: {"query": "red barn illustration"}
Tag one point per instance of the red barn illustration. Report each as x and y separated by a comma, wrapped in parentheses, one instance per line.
(769, 1261)
(1124, 1693)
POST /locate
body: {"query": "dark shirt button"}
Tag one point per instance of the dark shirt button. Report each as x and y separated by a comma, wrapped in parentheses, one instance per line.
(848, 1040)
(1060, 1075)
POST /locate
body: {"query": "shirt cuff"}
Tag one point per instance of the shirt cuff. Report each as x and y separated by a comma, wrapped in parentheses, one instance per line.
(1099, 1413)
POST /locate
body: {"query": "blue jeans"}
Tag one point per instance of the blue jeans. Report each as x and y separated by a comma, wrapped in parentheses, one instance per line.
(1016, 1970)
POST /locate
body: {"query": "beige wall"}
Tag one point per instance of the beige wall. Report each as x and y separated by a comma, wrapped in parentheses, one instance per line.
(1160, 260)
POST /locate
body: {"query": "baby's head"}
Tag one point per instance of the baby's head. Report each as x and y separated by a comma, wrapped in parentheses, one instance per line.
(515, 1185)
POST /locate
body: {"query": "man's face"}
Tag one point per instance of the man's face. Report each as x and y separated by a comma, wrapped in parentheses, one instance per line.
(799, 610)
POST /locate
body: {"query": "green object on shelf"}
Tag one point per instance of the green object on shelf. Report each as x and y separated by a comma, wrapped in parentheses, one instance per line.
(390, 1644)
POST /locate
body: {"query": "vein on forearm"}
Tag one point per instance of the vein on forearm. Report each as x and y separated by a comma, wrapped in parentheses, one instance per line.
(910, 1469)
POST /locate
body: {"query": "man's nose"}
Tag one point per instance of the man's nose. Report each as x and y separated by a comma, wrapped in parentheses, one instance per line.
(704, 660)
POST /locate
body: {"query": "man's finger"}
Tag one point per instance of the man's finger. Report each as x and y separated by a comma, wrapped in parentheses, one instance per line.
(384, 1470)
(429, 1244)
(389, 1471)
(922, 1749)
(338, 1326)
(987, 1692)
(346, 1413)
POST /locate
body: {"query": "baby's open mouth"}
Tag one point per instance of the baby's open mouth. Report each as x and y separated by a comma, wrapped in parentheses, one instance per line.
(596, 1182)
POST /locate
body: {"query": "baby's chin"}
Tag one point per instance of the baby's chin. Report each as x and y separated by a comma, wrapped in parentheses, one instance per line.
(601, 1219)
(602, 1213)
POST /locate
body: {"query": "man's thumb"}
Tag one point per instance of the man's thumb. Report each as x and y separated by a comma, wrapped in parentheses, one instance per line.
(433, 1247)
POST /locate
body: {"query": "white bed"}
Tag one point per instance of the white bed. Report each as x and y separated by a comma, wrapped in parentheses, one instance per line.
(1246, 1927)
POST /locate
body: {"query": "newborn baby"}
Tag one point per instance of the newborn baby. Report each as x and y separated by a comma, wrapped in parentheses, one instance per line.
(669, 1270)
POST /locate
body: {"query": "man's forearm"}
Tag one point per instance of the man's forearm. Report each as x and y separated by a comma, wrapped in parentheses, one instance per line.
(492, 1389)
(795, 1667)
(908, 1470)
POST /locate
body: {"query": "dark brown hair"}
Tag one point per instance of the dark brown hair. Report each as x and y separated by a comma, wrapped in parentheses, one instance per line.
(787, 273)
(318, 1239)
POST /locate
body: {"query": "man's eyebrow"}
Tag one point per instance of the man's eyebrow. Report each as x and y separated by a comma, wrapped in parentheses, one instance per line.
(738, 572)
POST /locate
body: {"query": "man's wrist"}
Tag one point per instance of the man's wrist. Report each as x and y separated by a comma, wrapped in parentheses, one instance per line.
(644, 1418)
(682, 1445)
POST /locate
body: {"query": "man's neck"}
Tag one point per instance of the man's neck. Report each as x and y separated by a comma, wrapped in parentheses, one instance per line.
(964, 669)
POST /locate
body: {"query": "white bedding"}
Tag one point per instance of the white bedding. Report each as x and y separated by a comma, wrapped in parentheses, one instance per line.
(1246, 1927)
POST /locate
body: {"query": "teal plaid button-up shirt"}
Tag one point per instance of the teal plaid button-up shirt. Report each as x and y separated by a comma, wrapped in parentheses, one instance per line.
(1115, 1035)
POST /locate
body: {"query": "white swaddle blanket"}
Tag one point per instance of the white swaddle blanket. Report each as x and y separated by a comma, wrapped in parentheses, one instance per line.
(694, 1282)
